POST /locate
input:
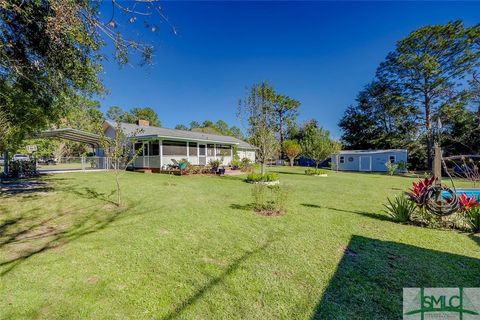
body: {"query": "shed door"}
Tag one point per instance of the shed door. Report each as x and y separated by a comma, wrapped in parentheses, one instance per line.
(365, 163)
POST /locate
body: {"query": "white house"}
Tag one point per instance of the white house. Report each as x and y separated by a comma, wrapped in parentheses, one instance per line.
(367, 160)
(161, 145)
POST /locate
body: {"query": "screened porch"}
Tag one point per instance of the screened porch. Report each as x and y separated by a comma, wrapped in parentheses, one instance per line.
(160, 153)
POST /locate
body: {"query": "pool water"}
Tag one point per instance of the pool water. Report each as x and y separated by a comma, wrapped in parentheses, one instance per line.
(469, 192)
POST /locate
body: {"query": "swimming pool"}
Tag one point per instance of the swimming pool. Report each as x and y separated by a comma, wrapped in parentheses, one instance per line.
(469, 192)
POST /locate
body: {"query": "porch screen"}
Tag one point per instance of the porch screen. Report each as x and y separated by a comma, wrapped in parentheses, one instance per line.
(192, 146)
(154, 148)
(223, 150)
(210, 149)
(174, 148)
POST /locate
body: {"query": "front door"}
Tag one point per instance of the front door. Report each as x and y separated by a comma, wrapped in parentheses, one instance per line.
(365, 163)
(202, 154)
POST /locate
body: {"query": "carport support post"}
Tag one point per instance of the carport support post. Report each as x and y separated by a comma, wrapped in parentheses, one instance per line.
(437, 165)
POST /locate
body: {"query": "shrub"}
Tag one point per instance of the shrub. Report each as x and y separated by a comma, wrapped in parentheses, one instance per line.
(214, 163)
(23, 168)
(315, 172)
(401, 208)
(258, 177)
(402, 166)
(246, 165)
(419, 188)
(195, 169)
(206, 170)
(473, 218)
(269, 200)
(471, 207)
(236, 163)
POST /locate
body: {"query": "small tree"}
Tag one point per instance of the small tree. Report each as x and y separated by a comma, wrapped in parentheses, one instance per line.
(121, 153)
(257, 109)
(317, 144)
(267, 144)
(292, 149)
(391, 167)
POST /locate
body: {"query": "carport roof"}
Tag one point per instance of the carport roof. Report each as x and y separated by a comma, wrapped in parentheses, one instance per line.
(72, 135)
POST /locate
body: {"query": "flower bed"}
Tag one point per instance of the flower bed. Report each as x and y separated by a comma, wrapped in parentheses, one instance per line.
(435, 206)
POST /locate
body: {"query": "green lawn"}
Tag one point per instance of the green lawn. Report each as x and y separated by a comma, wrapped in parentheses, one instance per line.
(191, 248)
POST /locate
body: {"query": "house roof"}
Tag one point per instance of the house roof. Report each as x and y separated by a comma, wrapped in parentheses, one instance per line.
(371, 151)
(145, 132)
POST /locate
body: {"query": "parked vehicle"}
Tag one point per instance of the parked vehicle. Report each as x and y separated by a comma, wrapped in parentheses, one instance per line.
(20, 157)
(47, 160)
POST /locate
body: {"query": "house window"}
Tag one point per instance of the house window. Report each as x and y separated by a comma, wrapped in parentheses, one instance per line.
(174, 148)
(192, 149)
(342, 159)
(223, 150)
(154, 148)
(350, 159)
(392, 159)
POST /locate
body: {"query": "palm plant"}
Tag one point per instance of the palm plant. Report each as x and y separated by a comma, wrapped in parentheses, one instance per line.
(400, 208)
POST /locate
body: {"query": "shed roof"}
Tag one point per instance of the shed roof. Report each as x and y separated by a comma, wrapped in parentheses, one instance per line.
(73, 135)
(146, 132)
(360, 152)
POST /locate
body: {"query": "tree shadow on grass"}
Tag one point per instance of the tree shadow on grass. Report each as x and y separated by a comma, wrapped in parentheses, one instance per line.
(288, 172)
(475, 238)
(371, 215)
(246, 207)
(371, 275)
(24, 188)
(185, 304)
(28, 234)
(90, 193)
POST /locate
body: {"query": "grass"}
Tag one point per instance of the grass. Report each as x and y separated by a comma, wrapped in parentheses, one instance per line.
(192, 248)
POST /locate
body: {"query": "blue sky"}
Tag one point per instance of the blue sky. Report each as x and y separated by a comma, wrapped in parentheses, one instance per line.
(321, 53)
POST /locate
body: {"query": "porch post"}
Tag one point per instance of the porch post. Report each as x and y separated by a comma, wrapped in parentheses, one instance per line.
(215, 151)
(188, 151)
(160, 145)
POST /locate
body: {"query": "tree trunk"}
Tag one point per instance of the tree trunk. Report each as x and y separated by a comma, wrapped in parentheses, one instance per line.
(316, 164)
(262, 169)
(119, 197)
(282, 155)
(291, 161)
(478, 116)
(428, 126)
(6, 168)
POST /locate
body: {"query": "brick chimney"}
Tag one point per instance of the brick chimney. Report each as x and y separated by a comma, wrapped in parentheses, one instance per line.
(143, 123)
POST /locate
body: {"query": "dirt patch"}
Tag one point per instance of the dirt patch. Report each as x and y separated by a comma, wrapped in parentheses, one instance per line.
(93, 280)
(270, 212)
(213, 261)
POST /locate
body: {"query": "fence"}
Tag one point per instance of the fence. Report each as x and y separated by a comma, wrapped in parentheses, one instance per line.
(75, 163)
